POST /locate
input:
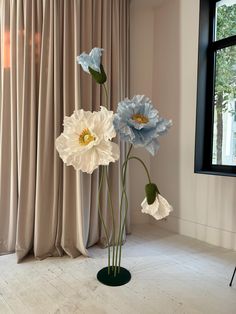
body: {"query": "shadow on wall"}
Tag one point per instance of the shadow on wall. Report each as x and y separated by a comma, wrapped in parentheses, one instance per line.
(141, 69)
(165, 167)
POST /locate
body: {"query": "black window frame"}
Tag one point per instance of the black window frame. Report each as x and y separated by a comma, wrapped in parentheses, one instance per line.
(205, 91)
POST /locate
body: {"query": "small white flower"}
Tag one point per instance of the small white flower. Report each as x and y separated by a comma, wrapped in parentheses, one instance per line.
(86, 141)
(92, 60)
(159, 209)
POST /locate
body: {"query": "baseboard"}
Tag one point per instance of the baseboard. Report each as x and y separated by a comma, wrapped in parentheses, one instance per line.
(209, 234)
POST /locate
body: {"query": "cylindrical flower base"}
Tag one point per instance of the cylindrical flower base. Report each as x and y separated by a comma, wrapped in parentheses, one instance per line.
(119, 279)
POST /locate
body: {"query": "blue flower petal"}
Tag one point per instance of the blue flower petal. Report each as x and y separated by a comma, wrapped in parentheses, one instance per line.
(92, 60)
(144, 134)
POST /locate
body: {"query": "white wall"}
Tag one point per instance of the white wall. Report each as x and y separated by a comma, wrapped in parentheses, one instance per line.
(204, 206)
(141, 63)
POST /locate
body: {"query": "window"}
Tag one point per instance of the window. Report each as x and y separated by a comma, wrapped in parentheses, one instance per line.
(234, 146)
(216, 96)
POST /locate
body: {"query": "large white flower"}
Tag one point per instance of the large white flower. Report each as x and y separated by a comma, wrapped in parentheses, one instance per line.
(92, 60)
(159, 209)
(86, 140)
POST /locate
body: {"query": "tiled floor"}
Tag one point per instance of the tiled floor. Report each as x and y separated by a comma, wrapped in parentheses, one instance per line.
(170, 274)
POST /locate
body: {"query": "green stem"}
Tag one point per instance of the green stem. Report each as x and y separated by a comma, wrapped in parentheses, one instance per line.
(145, 167)
(126, 207)
(113, 220)
(101, 217)
(106, 95)
(123, 178)
(122, 231)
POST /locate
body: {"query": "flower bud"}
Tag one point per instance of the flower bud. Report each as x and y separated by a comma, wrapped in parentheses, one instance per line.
(151, 191)
(101, 77)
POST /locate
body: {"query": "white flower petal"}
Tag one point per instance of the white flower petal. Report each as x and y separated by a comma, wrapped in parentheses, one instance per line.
(159, 209)
(103, 123)
(150, 209)
(98, 151)
(165, 208)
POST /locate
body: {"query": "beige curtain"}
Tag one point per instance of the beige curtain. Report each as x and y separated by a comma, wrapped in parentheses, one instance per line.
(45, 206)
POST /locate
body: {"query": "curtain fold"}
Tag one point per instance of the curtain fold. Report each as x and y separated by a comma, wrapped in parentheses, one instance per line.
(45, 206)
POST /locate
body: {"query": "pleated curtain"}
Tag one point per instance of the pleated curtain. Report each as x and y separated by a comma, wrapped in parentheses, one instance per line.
(45, 207)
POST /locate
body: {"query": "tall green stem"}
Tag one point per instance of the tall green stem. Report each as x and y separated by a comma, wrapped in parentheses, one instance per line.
(123, 179)
(101, 217)
(124, 166)
(113, 220)
(106, 95)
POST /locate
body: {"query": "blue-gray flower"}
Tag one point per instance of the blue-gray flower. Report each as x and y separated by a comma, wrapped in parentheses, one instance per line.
(138, 123)
(92, 60)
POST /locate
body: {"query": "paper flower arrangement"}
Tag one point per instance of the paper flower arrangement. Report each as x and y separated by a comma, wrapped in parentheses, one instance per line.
(86, 144)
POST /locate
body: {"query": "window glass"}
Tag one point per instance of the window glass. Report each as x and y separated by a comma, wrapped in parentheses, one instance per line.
(225, 19)
(224, 107)
(215, 149)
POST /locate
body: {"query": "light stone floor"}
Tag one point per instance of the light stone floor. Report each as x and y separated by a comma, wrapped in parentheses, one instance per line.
(170, 274)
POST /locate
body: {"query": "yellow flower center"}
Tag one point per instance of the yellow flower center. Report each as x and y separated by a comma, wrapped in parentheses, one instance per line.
(140, 118)
(85, 137)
